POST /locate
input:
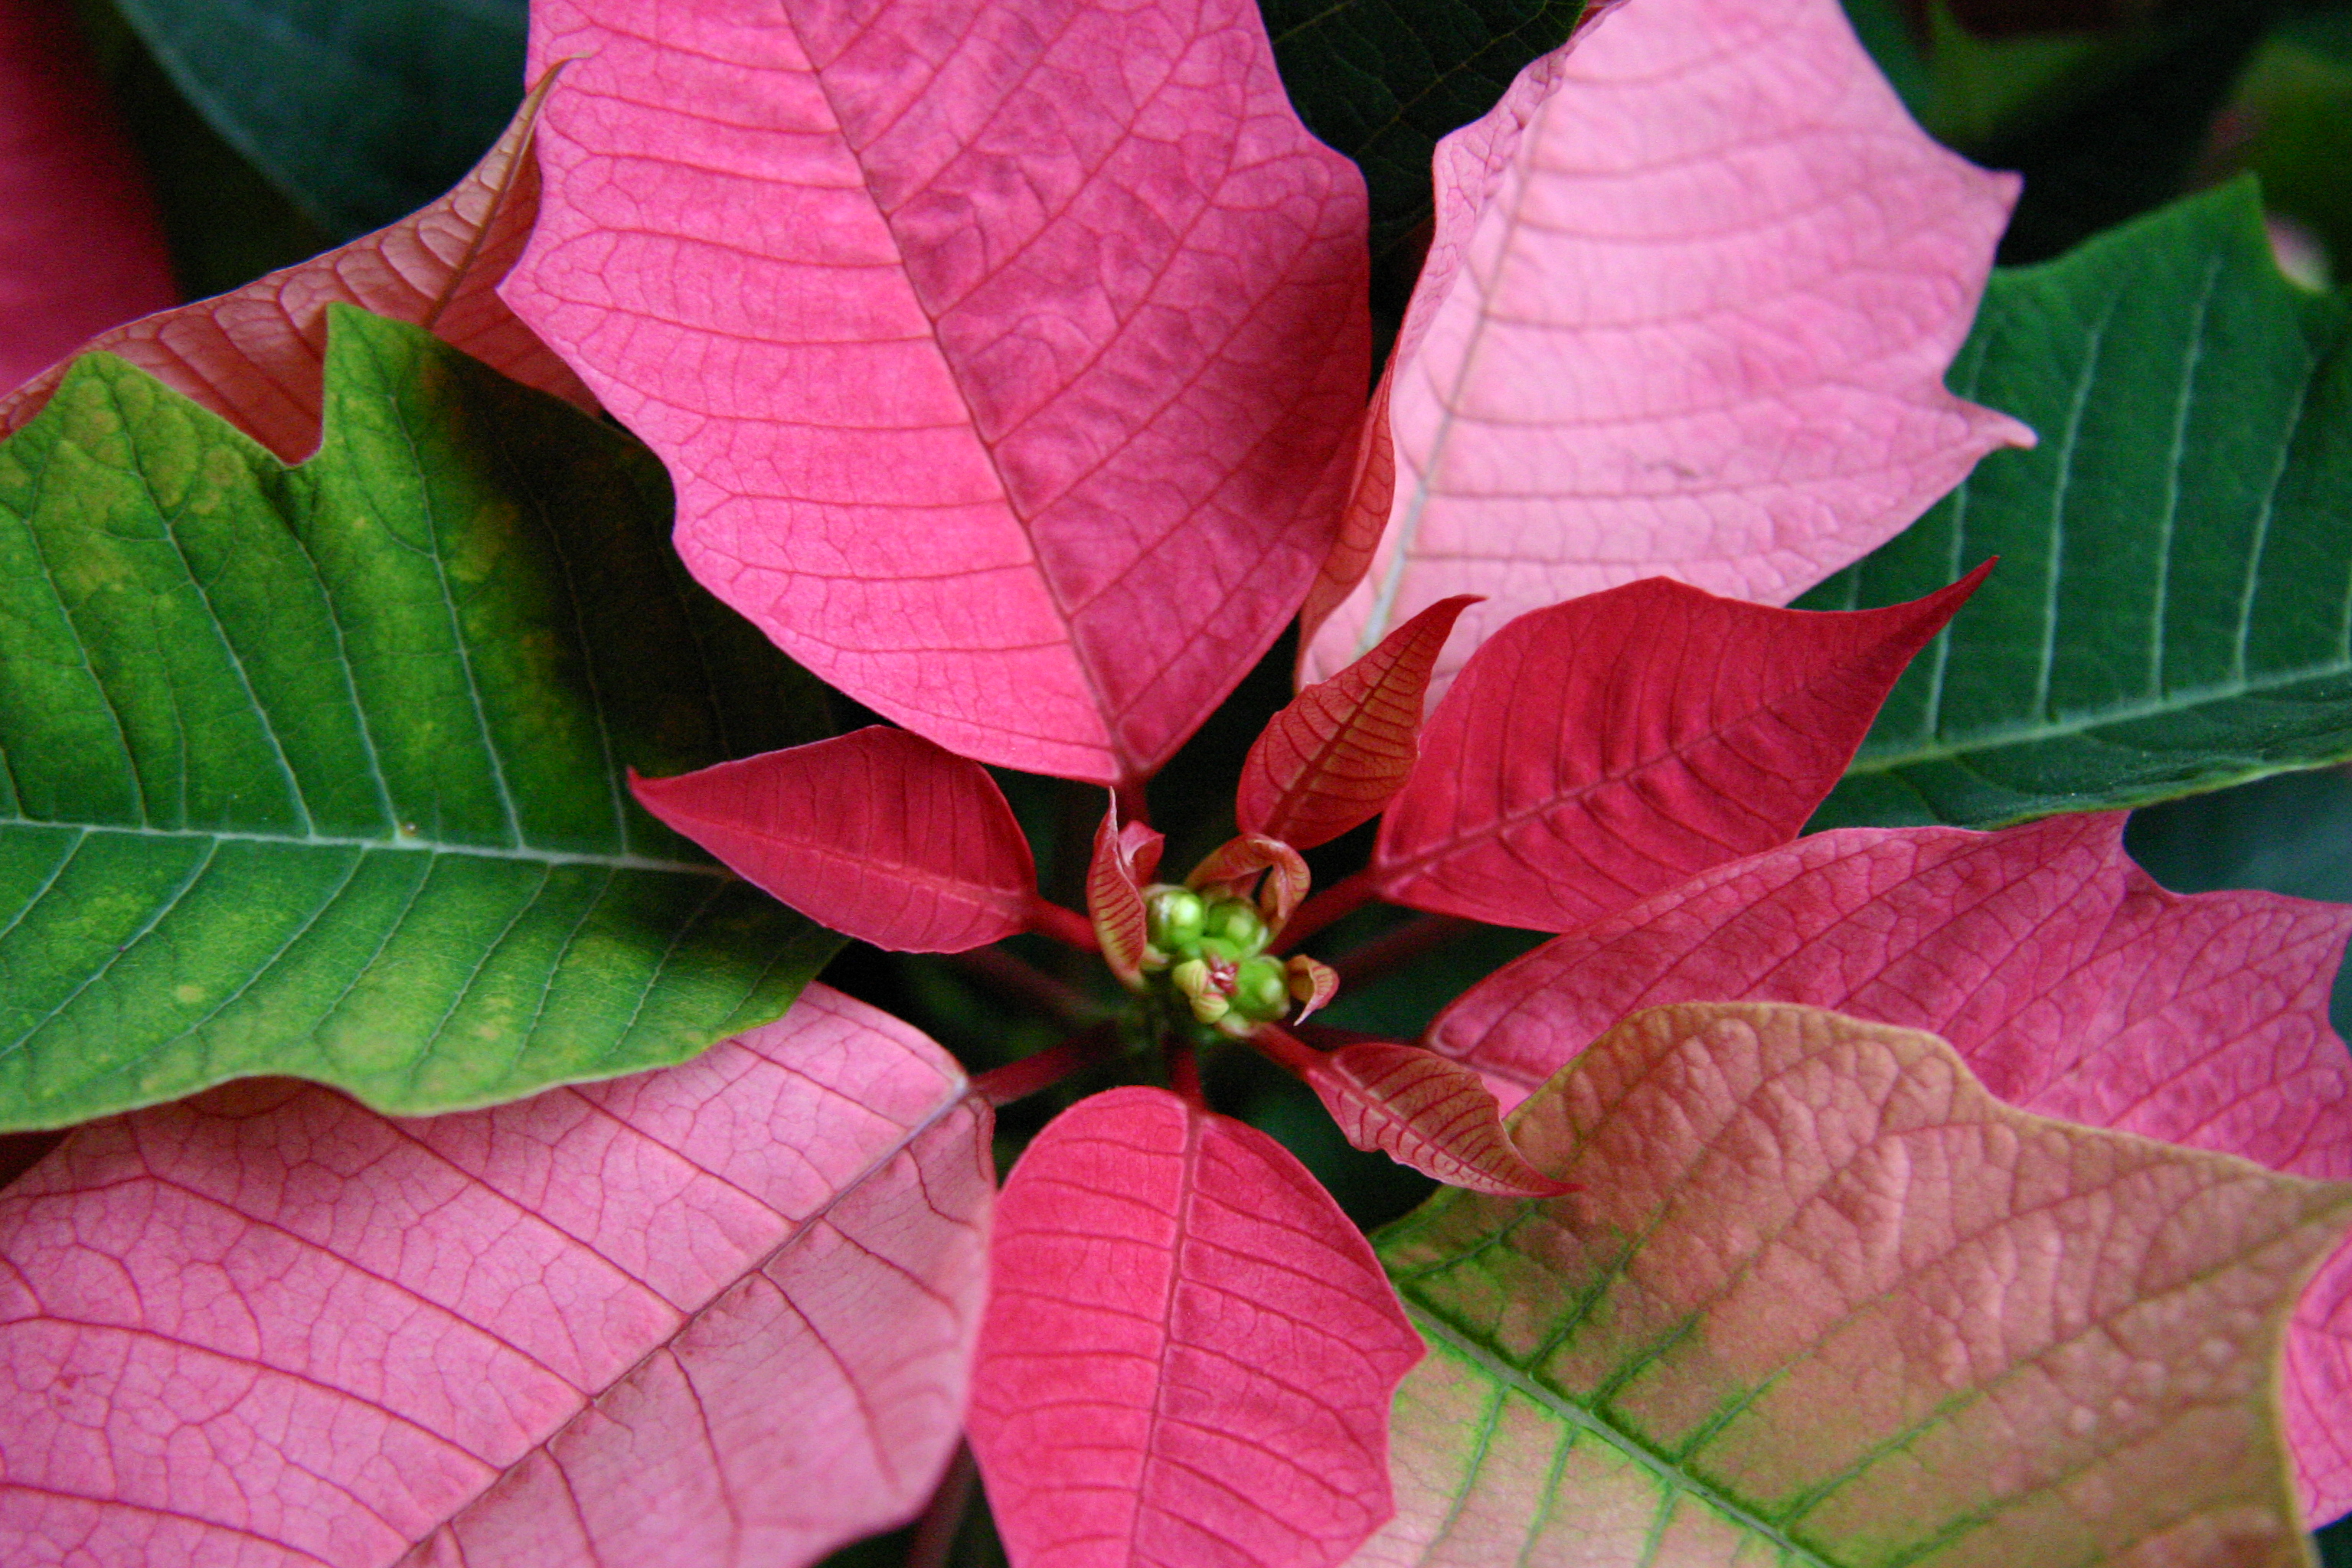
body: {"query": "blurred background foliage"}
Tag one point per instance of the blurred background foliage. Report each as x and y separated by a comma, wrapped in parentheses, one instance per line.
(273, 129)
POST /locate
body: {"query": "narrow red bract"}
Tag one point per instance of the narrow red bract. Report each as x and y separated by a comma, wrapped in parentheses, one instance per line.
(1428, 1111)
(1006, 357)
(1125, 857)
(1188, 1352)
(711, 1317)
(1343, 748)
(878, 834)
(1234, 865)
(1602, 750)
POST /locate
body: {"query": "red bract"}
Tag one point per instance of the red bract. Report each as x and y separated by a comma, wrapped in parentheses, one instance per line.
(1189, 1353)
(1338, 754)
(80, 245)
(879, 835)
(1611, 746)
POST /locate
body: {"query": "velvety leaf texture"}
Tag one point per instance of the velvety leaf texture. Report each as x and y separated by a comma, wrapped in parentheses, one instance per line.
(361, 111)
(1006, 358)
(80, 249)
(1341, 749)
(320, 771)
(1383, 80)
(1760, 1332)
(1599, 750)
(1189, 1350)
(879, 835)
(1426, 1110)
(1695, 284)
(2070, 982)
(256, 356)
(2173, 608)
(720, 1315)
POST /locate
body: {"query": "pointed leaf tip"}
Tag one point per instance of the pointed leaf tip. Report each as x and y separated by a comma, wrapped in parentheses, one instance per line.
(1189, 1353)
(1029, 440)
(1604, 749)
(1341, 749)
(878, 834)
(1427, 1111)
(1748, 419)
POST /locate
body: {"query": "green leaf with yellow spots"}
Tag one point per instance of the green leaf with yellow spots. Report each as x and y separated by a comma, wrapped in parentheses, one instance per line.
(321, 770)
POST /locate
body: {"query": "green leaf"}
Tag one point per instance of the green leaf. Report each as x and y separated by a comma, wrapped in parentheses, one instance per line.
(318, 771)
(1383, 80)
(2173, 608)
(1824, 1301)
(361, 111)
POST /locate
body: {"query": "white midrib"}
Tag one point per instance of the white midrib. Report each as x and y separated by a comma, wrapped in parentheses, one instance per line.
(401, 842)
(2031, 730)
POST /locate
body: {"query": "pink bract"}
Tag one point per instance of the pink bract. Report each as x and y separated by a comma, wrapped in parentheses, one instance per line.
(2070, 982)
(1005, 358)
(1695, 284)
(717, 1314)
(1188, 1352)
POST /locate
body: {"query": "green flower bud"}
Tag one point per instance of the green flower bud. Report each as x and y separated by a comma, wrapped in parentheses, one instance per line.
(1261, 989)
(1237, 923)
(1192, 978)
(1174, 917)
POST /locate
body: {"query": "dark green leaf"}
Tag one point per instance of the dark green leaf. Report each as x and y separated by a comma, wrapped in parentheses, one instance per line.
(361, 111)
(2173, 609)
(318, 771)
(1383, 80)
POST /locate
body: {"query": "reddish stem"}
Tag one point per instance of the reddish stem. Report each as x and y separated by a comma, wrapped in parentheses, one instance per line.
(1019, 1081)
(1344, 897)
(1284, 1049)
(1330, 1037)
(1047, 918)
(1184, 1074)
(935, 1535)
(1015, 981)
(1395, 949)
(1132, 806)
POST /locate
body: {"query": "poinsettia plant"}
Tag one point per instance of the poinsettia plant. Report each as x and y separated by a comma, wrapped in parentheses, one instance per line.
(1890, 1193)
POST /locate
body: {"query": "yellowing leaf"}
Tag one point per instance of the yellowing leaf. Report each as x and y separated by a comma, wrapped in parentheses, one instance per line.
(1824, 1300)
